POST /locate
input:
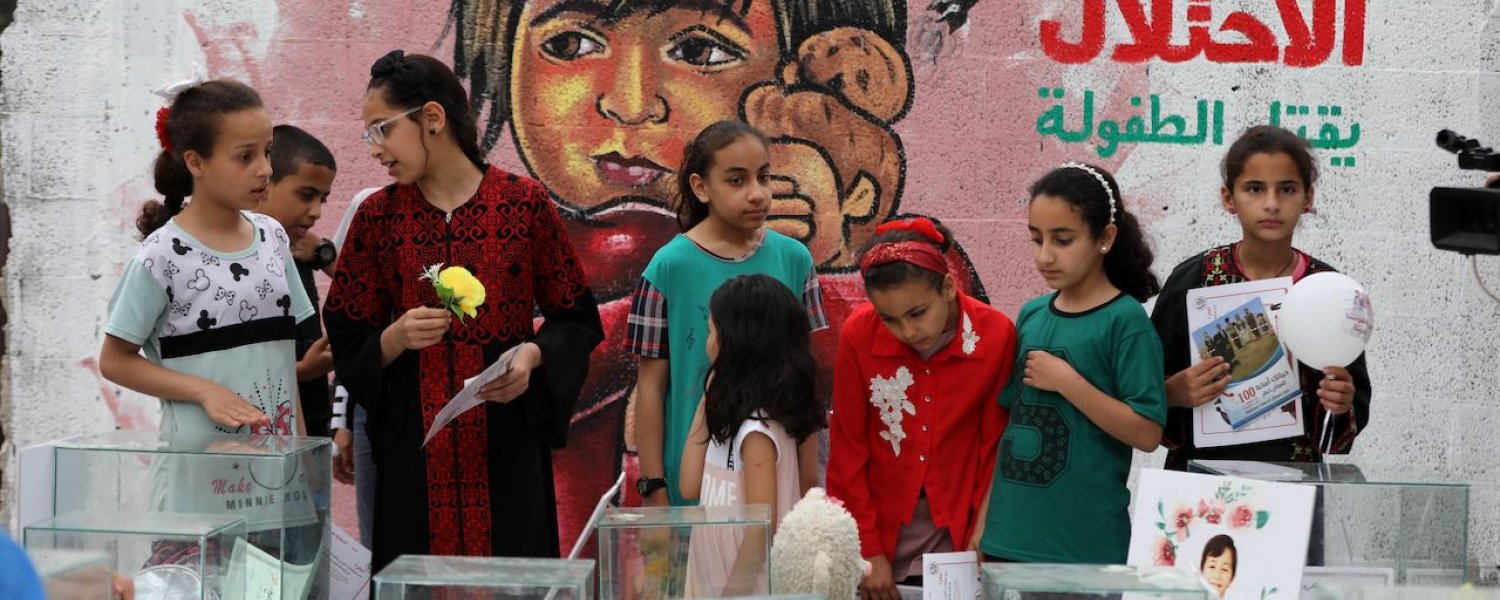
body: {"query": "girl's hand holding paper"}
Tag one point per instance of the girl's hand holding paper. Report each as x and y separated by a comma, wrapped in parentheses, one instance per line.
(1198, 384)
(515, 381)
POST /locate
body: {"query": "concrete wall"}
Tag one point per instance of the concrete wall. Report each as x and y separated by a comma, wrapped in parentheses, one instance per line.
(950, 127)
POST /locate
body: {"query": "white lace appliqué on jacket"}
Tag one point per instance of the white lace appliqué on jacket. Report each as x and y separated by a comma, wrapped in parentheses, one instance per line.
(971, 339)
(889, 396)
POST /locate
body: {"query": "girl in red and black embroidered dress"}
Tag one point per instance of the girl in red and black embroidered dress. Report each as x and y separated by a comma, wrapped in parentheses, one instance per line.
(483, 485)
(1269, 175)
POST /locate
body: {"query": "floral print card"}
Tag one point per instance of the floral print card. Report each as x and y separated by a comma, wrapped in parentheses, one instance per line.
(1246, 539)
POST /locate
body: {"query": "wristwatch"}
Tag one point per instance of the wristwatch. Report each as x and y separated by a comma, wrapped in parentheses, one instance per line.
(645, 487)
(324, 255)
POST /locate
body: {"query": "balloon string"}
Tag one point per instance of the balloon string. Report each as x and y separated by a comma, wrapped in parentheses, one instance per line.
(1327, 433)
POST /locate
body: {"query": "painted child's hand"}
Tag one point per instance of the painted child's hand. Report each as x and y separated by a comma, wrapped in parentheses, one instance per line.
(1047, 372)
(831, 113)
(1336, 391)
(515, 381)
(230, 410)
(1199, 384)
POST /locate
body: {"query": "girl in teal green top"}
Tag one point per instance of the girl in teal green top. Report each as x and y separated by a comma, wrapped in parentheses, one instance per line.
(723, 201)
(1087, 385)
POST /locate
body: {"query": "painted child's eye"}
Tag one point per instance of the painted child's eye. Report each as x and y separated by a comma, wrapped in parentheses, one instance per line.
(571, 45)
(704, 51)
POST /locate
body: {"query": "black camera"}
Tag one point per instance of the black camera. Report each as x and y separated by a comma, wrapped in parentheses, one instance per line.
(1466, 220)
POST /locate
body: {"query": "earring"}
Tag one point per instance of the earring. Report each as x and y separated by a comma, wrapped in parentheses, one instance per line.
(1104, 249)
(431, 132)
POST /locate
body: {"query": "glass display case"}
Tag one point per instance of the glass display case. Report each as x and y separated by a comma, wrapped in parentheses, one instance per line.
(1381, 517)
(168, 555)
(279, 486)
(1355, 592)
(1034, 581)
(476, 578)
(684, 552)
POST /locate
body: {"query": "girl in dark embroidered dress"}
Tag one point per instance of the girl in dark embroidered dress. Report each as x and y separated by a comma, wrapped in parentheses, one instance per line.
(1269, 177)
(483, 485)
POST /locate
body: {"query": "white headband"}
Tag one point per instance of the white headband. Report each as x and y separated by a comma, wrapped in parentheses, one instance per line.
(1108, 191)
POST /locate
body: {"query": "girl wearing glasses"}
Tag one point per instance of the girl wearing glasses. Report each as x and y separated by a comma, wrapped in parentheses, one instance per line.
(483, 485)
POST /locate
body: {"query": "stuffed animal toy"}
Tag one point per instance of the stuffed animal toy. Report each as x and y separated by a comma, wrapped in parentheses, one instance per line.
(816, 550)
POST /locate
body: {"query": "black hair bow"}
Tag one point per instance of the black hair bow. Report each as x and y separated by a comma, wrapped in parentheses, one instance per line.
(403, 73)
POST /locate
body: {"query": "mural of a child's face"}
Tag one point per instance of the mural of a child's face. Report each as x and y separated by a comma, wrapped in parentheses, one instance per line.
(602, 107)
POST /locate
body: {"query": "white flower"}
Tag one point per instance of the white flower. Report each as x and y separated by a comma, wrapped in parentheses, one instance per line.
(889, 396)
(971, 339)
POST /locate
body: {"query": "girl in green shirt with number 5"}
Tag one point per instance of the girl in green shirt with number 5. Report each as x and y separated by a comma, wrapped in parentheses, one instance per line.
(1086, 388)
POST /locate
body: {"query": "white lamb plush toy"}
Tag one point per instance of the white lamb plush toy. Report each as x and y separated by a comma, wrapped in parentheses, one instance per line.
(816, 550)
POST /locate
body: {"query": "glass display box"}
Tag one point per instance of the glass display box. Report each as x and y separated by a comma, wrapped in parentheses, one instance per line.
(684, 552)
(1035, 581)
(167, 555)
(1355, 592)
(278, 485)
(480, 578)
(1380, 517)
(779, 597)
(74, 574)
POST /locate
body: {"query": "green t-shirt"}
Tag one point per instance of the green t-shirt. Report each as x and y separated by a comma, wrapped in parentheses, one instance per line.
(681, 278)
(1059, 490)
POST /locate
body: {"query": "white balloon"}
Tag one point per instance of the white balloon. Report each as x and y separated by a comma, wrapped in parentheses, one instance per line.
(1325, 320)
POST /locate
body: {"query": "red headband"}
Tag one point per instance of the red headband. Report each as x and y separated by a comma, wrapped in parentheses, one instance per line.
(920, 254)
(161, 128)
(915, 252)
(919, 225)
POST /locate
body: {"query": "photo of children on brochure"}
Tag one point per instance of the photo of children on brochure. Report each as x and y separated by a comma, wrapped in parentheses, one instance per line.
(1260, 371)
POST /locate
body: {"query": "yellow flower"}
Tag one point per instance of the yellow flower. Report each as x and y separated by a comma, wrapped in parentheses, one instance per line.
(468, 292)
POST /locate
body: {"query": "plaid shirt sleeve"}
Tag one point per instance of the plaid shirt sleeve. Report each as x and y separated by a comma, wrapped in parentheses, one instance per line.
(812, 298)
(646, 327)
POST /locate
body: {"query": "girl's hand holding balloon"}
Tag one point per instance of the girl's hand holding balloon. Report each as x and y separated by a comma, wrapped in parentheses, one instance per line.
(1336, 391)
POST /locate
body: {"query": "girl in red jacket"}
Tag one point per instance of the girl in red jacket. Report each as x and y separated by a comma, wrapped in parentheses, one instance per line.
(915, 422)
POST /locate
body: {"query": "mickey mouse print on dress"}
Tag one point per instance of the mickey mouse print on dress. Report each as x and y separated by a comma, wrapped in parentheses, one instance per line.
(221, 315)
